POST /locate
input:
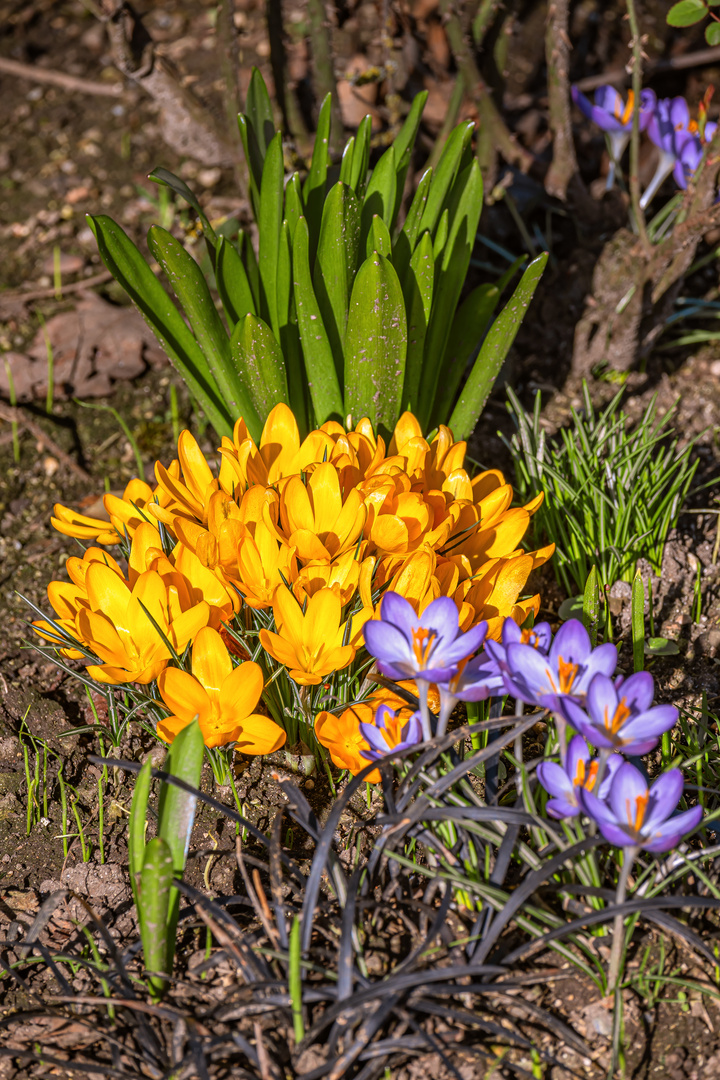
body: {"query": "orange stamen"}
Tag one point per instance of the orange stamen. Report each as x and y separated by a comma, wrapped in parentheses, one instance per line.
(529, 637)
(579, 780)
(422, 644)
(641, 802)
(456, 678)
(620, 715)
(627, 112)
(568, 672)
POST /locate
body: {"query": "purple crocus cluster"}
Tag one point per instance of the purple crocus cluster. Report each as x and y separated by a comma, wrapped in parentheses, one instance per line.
(564, 675)
(680, 140)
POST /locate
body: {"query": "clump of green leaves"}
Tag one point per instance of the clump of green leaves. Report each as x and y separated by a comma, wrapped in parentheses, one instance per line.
(342, 311)
(690, 12)
(155, 863)
(611, 494)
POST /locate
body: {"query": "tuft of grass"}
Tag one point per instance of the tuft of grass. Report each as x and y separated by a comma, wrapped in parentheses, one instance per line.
(612, 493)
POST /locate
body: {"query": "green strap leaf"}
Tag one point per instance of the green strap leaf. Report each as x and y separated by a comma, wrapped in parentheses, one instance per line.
(637, 619)
(170, 180)
(380, 195)
(463, 216)
(404, 143)
(591, 606)
(315, 184)
(418, 292)
(259, 359)
(289, 333)
(254, 160)
(441, 236)
(379, 238)
(232, 282)
(336, 263)
(375, 344)
(494, 350)
(294, 208)
(251, 269)
(407, 238)
(347, 162)
(190, 287)
(176, 812)
(271, 205)
(136, 826)
(155, 892)
(444, 176)
(468, 329)
(128, 267)
(258, 109)
(361, 157)
(319, 363)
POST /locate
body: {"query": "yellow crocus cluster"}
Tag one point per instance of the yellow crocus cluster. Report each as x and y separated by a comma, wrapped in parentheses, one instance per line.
(309, 530)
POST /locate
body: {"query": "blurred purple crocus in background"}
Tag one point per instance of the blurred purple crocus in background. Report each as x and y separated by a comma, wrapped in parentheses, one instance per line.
(636, 816)
(581, 771)
(538, 637)
(388, 733)
(427, 647)
(618, 715)
(615, 117)
(679, 141)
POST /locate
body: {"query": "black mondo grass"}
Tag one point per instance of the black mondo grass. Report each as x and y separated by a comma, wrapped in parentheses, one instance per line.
(436, 947)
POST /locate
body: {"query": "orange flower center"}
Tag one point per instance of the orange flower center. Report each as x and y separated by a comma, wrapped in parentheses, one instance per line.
(641, 801)
(529, 637)
(624, 114)
(422, 644)
(618, 719)
(568, 673)
(392, 731)
(456, 678)
(586, 778)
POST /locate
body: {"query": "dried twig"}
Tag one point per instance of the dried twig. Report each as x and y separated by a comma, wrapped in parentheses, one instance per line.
(45, 294)
(323, 72)
(58, 78)
(638, 212)
(620, 76)
(18, 415)
(557, 52)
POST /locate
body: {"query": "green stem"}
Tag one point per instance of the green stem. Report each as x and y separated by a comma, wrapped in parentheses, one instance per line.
(638, 213)
(619, 924)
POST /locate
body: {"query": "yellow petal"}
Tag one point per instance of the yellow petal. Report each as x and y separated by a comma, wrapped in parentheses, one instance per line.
(240, 692)
(211, 663)
(107, 593)
(260, 735)
(171, 726)
(322, 620)
(280, 649)
(183, 694)
(196, 471)
(187, 624)
(288, 617)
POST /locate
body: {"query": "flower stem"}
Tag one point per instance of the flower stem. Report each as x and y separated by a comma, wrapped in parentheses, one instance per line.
(423, 687)
(637, 206)
(630, 855)
(560, 727)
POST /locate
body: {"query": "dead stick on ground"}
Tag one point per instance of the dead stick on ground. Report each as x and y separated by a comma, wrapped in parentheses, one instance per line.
(17, 415)
(621, 76)
(557, 54)
(45, 294)
(58, 78)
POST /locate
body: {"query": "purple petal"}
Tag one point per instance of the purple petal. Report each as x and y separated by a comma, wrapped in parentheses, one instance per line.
(601, 700)
(637, 748)
(572, 643)
(616, 834)
(638, 691)
(386, 641)
(603, 661)
(374, 737)
(561, 808)
(578, 719)
(577, 750)
(412, 730)
(442, 617)
(648, 101)
(664, 797)
(627, 788)
(613, 764)
(594, 808)
(511, 633)
(397, 610)
(555, 780)
(463, 646)
(497, 652)
(666, 836)
(532, 669)
(543, 636)
(654, 722)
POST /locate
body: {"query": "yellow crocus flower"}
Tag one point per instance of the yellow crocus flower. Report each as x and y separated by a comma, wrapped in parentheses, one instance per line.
(310, 645)
(221, 696)
(117, 628)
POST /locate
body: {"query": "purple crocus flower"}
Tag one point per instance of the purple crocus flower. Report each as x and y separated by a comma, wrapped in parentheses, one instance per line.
(565, 671)
(581, 771)
(428, 646)
(475, 680)
(618, 715)
(677, 137)
(388, 733)
(539, 637)
(640, 817)
(615, 117)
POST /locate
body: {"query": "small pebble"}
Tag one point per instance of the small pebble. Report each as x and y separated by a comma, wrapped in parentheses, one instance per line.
(209, 177)
(309, 784)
